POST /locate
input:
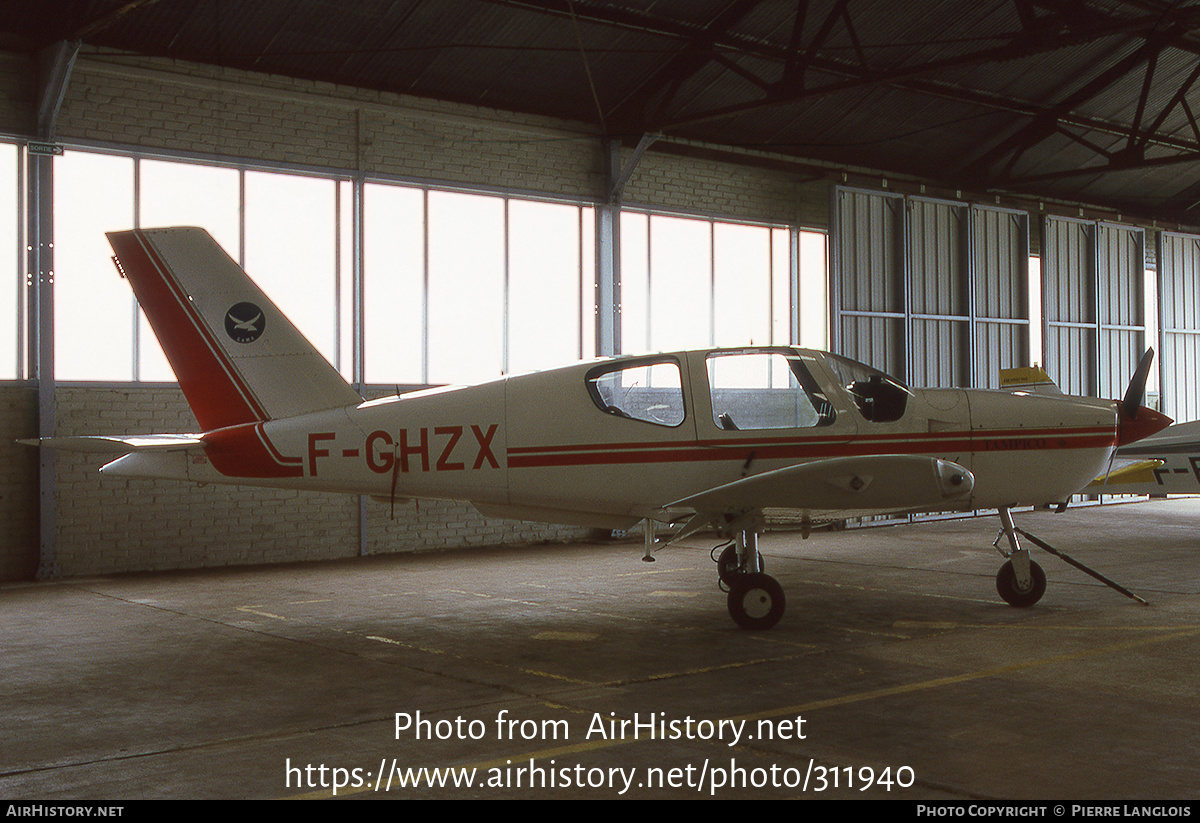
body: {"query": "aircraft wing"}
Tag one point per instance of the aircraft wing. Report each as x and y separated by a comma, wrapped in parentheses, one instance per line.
(114, 444)
(846, 486)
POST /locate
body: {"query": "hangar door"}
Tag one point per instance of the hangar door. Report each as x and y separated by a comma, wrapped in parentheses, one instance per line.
(932, 291)
(1179, 324)
(1093, 304)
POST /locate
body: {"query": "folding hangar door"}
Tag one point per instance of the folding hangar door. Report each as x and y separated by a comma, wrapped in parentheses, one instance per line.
(1179, 325)
(936, 293)
(932, 291)
(1093, 304)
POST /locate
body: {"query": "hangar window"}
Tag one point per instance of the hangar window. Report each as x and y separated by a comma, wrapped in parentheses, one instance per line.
(183, 194)
(288, 222)
(690, 282)
(291, 251)
(461, 287)
(765, 390)
(432, 286)
(93, 308)
(648, 391)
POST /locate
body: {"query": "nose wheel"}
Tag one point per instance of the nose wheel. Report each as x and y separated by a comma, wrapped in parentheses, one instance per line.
(1015, 594)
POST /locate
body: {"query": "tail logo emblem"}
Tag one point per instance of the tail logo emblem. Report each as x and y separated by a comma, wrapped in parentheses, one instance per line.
(244, 323)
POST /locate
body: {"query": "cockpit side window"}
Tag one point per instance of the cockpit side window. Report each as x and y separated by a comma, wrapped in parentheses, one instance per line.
(765, 390)
(651, 392)
(880, 398)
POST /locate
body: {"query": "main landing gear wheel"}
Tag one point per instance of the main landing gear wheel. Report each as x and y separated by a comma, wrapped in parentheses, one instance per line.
(756, 601)
(728, 567)
(1014, 595)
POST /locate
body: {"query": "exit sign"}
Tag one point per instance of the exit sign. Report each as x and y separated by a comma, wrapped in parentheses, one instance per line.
(44, 148)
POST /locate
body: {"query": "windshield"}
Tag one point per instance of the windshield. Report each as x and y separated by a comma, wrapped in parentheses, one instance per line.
(880, 398)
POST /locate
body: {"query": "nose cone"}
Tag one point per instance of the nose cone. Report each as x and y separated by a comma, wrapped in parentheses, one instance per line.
(1145, 422)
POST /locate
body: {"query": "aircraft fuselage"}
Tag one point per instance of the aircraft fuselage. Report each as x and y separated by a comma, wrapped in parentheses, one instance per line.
(541, 446)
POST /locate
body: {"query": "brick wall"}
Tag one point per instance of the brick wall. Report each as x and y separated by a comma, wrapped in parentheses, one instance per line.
(174, 107)
(18, 483)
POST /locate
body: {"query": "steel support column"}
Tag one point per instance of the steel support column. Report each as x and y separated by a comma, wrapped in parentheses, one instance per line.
(608, 256)
(54, 71)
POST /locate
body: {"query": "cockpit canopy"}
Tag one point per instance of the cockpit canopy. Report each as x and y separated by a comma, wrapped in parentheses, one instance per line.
(749, 389)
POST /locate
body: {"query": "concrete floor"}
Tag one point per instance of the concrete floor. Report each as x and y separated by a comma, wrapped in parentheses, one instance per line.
(907, 670)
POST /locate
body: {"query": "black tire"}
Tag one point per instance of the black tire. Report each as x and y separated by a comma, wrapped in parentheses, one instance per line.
(728, 568)
(756, 601)
(1006, 585)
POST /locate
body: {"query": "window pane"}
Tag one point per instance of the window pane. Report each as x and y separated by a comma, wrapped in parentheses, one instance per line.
(742, 284)
(291, 252)
(11, 283)
(345, 190)
(93, 321)
(783, 331)
(184, 194)
(394, 291)
(543, 285)
(814, 290)
(651, 393)
(466, 287)
(680, 283)
(587, 307)
(764, 390)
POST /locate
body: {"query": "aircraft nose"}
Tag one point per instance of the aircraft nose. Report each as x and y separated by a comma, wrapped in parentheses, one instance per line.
(1143, 423)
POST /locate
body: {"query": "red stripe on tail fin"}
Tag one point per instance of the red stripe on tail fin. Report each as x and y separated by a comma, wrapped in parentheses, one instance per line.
(213, 387)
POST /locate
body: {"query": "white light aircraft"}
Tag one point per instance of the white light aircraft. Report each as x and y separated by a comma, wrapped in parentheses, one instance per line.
(706, 439)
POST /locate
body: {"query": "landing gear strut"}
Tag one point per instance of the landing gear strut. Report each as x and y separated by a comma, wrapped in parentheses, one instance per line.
(756, 600)
(729, 567)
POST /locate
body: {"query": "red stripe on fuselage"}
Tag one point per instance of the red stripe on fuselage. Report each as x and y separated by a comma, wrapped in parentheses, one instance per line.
(774, 448)
(246, 451)
(214, 390)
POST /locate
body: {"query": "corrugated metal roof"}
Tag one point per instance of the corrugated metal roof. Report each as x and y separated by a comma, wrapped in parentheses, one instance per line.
(1047, 98)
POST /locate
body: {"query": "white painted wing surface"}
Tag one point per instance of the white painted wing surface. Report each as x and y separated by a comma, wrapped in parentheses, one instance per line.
(845, 486)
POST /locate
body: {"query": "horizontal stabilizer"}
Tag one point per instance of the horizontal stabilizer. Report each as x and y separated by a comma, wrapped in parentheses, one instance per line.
(113, 444)
(887, 482)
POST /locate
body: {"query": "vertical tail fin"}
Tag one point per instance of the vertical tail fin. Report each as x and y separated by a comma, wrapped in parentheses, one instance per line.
(237, 357)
